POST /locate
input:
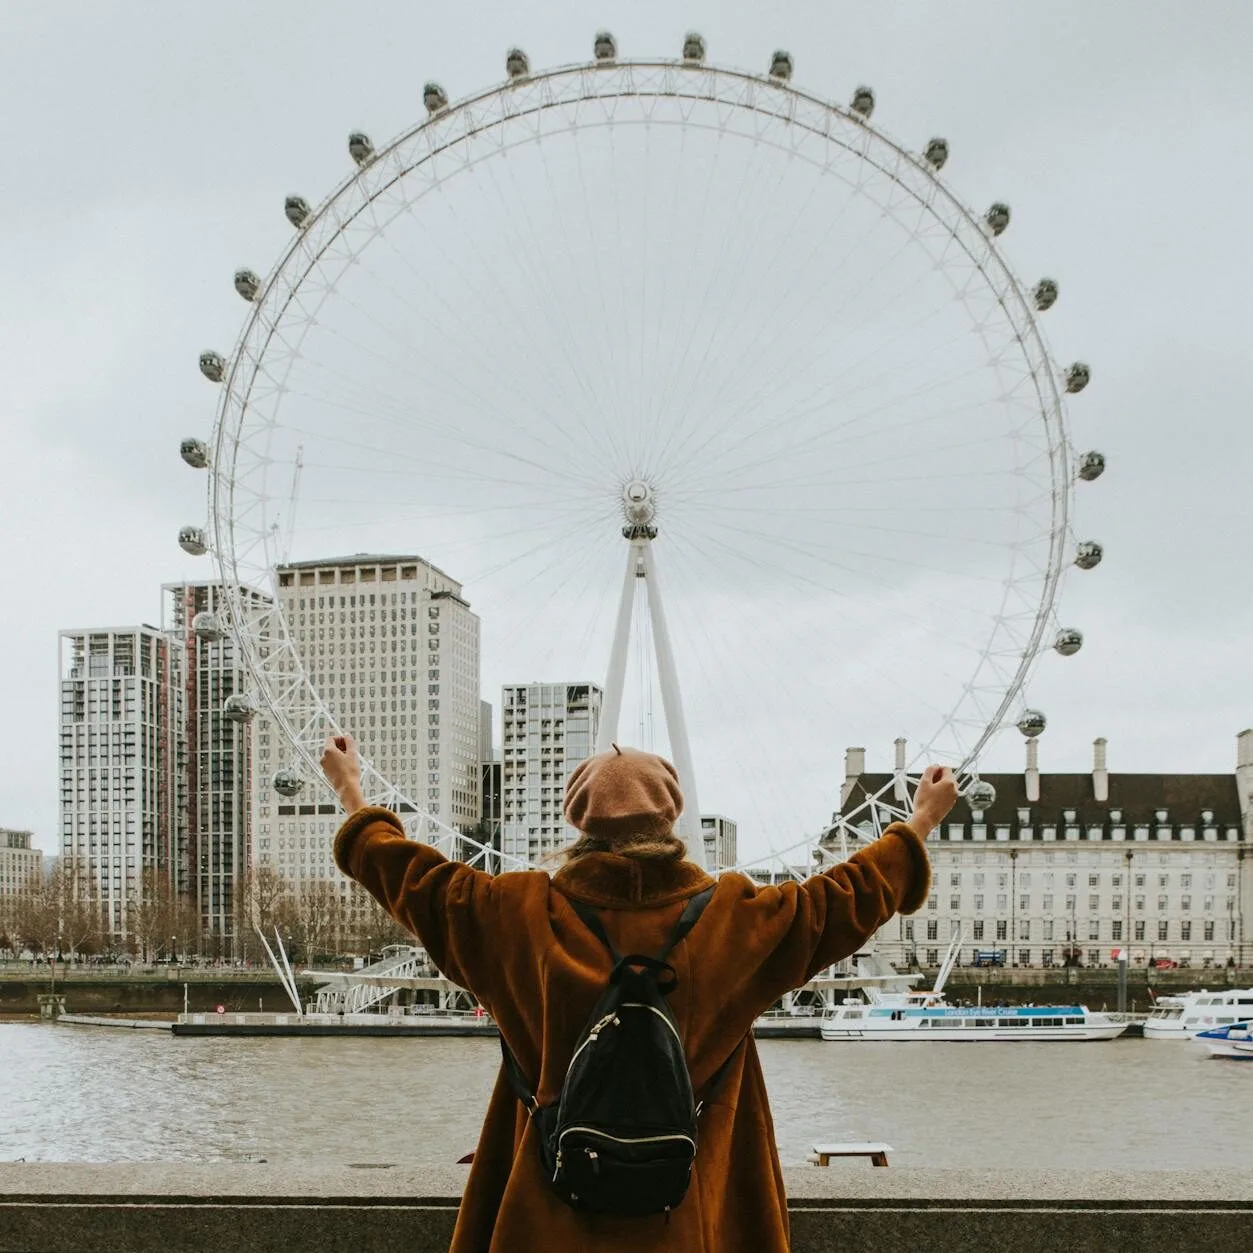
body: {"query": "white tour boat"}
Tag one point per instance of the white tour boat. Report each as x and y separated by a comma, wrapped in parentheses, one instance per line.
(1181, 1017)
(881, 1015)
(1235, 1042)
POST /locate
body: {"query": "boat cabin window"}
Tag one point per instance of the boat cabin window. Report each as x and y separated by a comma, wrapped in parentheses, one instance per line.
(1074, 1022)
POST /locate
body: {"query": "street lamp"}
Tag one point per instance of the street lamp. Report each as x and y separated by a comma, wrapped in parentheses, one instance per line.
(174, 950)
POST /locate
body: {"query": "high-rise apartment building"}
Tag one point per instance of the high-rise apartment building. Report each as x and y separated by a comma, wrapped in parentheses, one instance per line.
(1065, 868)
(120, 732)
(20, 865)
(546, 730)
(392, 647)
(721, 841)
(216, 759)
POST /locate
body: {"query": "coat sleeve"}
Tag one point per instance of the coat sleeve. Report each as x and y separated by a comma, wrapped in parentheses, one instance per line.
(798, 929)
(451, 908)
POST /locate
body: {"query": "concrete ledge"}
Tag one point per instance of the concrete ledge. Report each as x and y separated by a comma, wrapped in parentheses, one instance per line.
(136, 1207)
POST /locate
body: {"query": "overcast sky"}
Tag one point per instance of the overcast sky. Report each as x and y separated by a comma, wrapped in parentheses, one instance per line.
(149, 148)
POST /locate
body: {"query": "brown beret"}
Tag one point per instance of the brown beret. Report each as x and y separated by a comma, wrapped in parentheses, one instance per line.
(624, 792)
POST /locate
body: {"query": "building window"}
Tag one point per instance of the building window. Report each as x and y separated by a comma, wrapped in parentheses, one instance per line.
(1048, 928)
(932, 929)
(1115, 929)
(1024, 928)
(1002, 929)
(1024, 957)
(1094, 929)
(1139, 929)
(978, 928)
(1185, 929)
(1163, 930)
(1209, 931)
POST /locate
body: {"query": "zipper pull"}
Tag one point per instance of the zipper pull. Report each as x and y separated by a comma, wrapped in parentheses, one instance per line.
(594, 1158)
(557, 1171)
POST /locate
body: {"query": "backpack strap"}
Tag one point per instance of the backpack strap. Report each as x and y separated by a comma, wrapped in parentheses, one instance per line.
(591, 920)
(687, 920)
(517, 1080)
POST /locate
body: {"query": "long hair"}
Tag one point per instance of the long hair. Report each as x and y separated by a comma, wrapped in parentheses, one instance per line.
(647, 846)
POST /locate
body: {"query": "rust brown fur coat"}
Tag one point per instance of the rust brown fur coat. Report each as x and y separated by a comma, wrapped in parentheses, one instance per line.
(515, 942)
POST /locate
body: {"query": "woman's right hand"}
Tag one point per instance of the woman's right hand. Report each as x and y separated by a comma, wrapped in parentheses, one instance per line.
(936, 795)
(342, 767)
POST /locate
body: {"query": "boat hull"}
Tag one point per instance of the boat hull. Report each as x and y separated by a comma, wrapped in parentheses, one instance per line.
(975, 1035)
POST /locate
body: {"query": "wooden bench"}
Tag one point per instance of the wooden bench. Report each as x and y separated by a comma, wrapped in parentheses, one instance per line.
(873, 1149)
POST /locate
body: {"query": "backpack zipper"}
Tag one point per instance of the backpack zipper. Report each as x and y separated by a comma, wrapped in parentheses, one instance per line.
(604, 1135)
(607, 1021)
(653, 1009)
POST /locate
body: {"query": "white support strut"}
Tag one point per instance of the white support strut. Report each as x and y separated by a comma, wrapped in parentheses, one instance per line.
(676, 726)
(611, 706)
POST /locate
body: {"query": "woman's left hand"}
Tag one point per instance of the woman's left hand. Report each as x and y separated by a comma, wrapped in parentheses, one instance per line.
(342, 767)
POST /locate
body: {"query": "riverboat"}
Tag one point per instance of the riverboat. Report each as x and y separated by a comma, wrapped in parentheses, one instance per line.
(885, 1015)
(921, 1016)
(1181, 1017)
(1234, 1042)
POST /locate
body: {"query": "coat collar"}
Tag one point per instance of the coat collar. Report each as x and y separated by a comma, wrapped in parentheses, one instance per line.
(610, 881)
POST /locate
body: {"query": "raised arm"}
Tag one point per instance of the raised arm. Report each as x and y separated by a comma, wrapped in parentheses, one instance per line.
(789, 933)
(451, 908)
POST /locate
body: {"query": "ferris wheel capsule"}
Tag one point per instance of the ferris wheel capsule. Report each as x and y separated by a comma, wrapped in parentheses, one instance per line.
(1088, 555)
(208, 627)
(863, 101)
(238, 708)
(980, 795)
(191, 539)
(604, 46)
(1068, 641)
(195, 452)
(781, 65)
(1044, 294)
(297, 210)
(517, 64)
(247, 284)
(997, 217)
(286, 782)
(435, 98)
(1078, 377)
(360, 148)
(693, 47)
(1091, 466)
(213, 366)
(936, 152)
(1032, 723)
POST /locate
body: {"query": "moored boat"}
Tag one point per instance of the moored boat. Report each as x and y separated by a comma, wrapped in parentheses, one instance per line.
(885, 1015)
(1182, 1017)
(1234, 1041)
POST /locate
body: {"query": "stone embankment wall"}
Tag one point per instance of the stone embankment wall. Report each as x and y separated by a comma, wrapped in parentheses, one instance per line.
(103, 990)
(375, 1207)
(97, 992)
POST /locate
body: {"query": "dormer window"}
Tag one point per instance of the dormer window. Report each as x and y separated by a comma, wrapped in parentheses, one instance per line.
(1069, 815)
(1115, 815)
(1161, 815)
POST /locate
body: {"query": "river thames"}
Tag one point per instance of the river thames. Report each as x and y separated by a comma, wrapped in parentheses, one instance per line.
(97, 1094)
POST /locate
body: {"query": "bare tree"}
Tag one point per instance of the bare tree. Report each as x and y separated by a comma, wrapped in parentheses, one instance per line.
(262, 900)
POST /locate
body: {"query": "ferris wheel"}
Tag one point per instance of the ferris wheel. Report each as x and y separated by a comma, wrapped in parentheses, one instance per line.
(703, 387)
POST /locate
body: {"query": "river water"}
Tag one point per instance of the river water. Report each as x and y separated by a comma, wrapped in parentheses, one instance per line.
(99, 1094)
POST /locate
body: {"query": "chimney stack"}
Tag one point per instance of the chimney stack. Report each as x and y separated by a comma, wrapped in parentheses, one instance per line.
(901, 789)
(1100, 775)
(854, 766)
(1244, 779)
(1033, 770)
